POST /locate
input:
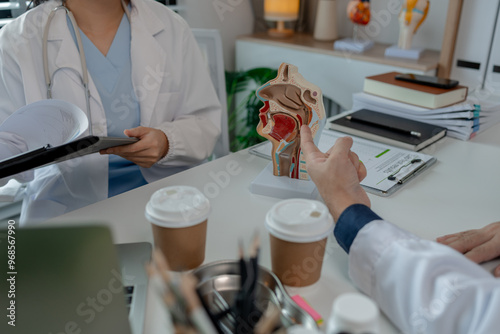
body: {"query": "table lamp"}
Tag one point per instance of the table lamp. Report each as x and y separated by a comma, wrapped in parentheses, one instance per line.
(281, 11)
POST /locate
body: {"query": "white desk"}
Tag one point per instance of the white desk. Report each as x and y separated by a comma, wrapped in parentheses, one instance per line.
(461, 191)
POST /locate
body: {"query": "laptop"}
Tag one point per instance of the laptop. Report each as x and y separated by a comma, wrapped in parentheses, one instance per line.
(71, 279)
(47, 155)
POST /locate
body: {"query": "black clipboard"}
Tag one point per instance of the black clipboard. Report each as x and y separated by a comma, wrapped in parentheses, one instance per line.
(263, 150)
(48, 155)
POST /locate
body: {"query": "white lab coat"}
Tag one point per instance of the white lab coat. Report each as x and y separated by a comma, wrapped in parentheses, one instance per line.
(170, 80)
(423, 286)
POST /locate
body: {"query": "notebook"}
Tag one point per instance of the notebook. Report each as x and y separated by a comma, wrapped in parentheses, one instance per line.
(393, 130)
(71, 280)
(47, 155)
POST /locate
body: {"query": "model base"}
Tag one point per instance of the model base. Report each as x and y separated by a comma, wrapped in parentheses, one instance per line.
(349, 44)
(267, 184)
(395, 51)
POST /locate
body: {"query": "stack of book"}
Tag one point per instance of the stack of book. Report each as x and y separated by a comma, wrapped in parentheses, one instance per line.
(448, 108)
(392, 130)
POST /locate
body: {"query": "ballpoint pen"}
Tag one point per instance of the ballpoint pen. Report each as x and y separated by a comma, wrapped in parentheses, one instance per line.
(384, 126)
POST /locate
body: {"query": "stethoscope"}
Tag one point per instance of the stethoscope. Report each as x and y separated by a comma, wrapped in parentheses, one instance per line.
(84, 77)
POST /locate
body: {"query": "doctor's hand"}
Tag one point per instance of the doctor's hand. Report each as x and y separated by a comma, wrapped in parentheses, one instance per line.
(151, 147)
(336, 173)
(477, 245)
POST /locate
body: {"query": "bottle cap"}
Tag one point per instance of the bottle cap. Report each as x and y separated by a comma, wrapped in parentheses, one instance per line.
(353, 313)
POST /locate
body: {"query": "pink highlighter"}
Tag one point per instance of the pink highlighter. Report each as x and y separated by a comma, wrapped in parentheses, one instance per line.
(306, 307)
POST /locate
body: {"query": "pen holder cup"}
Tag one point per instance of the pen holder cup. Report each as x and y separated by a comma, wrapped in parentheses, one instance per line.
(219, 283)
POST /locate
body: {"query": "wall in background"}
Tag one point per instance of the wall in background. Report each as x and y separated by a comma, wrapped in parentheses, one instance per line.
(231, 17)
(235, 17)
(384, 25)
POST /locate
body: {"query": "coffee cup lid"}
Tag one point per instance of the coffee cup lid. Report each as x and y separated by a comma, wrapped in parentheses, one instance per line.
(299, 220)
(177, 206)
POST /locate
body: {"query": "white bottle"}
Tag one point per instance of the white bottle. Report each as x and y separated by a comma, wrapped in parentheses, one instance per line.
(298, 329)
(325, 27)
(353, 313)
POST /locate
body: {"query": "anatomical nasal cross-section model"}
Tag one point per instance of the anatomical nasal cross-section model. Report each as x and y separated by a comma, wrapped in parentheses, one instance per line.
(412, 14)
(289, 102)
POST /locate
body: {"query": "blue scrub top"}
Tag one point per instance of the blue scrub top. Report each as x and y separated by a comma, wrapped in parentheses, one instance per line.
(112, 75)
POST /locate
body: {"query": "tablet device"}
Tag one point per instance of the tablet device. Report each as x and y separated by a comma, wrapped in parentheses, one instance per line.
(48, 155)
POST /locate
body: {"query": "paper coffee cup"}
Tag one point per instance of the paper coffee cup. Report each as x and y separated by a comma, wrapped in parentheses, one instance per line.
(179, 216)
(298, 230)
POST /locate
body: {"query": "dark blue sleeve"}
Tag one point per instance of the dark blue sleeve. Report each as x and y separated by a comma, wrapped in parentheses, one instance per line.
(353, 219)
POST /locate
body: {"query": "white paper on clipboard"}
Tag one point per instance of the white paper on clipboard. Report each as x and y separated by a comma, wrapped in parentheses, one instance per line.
(381, 161)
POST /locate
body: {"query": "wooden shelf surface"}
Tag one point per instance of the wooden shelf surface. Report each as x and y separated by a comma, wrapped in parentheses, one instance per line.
(305, 42)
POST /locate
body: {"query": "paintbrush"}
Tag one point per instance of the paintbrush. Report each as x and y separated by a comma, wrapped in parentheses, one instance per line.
(178, 316)
(269, 320)
(197, 314)
(252, 312)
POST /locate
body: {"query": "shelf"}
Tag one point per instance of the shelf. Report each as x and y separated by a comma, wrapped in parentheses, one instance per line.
(305, 42)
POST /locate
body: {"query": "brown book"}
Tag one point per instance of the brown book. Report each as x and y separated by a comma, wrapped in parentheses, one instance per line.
(386, 85)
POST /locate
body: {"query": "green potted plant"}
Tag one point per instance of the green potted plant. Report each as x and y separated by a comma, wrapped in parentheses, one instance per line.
(244, 115)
